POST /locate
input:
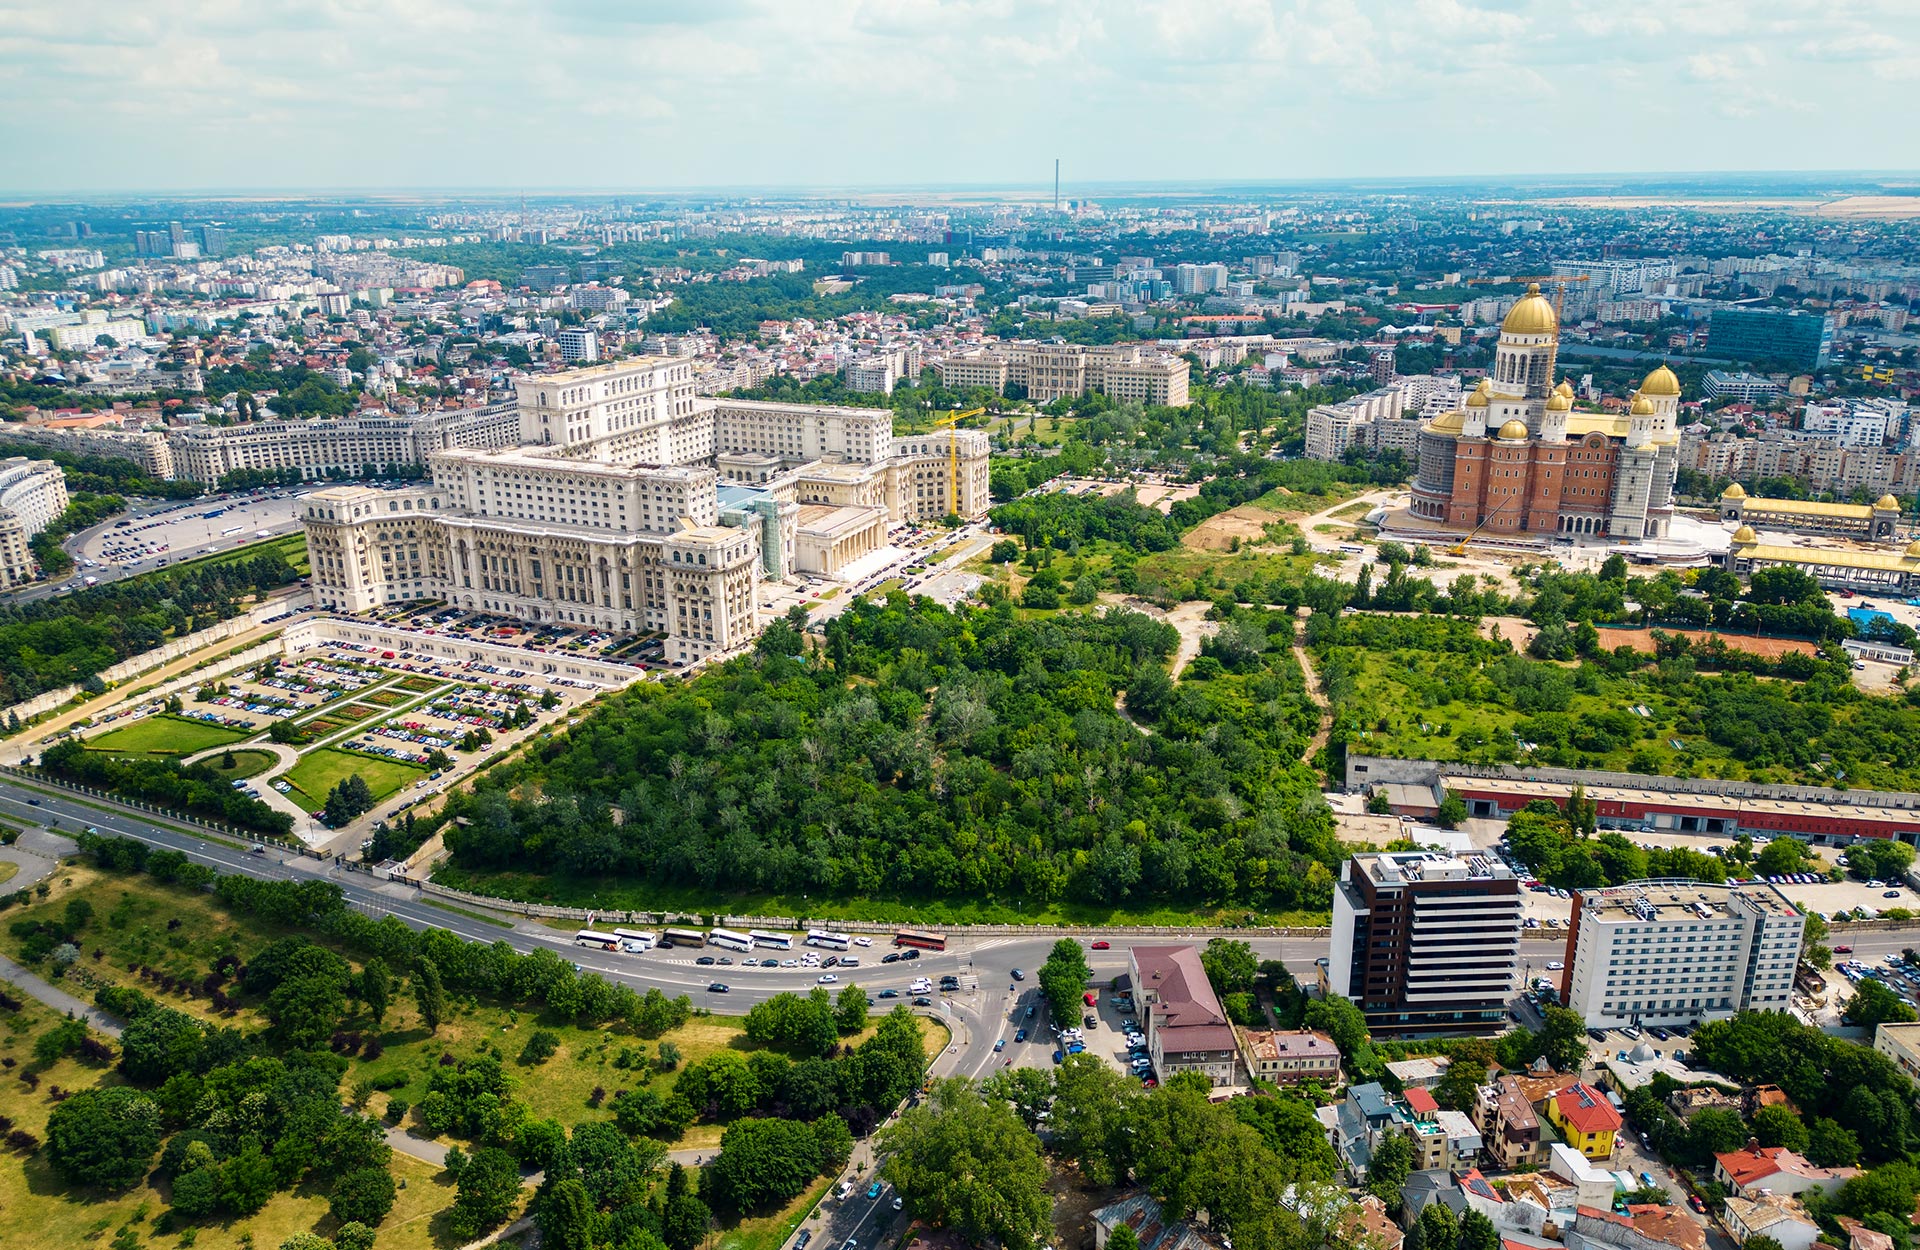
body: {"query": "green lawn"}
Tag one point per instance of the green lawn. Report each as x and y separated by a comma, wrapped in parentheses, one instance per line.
(245, 764)
(291, 546)
(318, 772)
(164, 736)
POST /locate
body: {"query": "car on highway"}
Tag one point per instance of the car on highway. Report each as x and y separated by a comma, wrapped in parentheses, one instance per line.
(1843, 950)
(874, 1190)
(898, 1202)
(826, 979)
(33, 802)
(1019, 1035)
(910, 953)
(923, 1001)
(889, 993)
(921, 986)
(705, 961)
(1555, 966)
(1103, 945)
(718, 987)
(800, 1242)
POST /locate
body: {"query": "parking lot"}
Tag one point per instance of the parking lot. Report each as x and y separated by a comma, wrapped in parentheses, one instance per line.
(153, 537)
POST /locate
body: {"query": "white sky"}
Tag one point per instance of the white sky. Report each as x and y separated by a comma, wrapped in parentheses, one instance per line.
(633, 94)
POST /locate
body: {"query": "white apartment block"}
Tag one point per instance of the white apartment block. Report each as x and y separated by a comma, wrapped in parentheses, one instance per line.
(578, 346)
(32, 494)
(1679, 952)
(1051, 371)
(612, 514)
(1856, 423)
(78, 337)
(335, 445)
(1387, 419)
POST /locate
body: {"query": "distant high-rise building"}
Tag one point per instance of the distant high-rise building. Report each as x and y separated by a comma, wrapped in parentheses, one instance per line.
(578, 347)
(544, 277)
(1798, 340)
(1426, 942)
(213, 240)
(1199, 279)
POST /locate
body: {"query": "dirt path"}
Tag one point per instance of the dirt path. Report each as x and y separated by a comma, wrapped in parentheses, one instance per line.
(1320, 734)
(1191, 620)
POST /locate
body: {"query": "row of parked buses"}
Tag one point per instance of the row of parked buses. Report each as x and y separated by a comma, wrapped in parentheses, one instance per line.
(638, 941)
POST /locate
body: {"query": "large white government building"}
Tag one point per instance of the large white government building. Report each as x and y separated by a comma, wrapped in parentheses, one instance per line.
(630, 504)
(33, 493)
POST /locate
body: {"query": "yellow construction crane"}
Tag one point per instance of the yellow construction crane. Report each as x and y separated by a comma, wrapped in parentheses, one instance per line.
(1558, 281)
(1460, 548)
(950, 423)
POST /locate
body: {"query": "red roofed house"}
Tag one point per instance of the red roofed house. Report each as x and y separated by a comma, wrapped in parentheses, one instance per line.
(1586, 1118)
(1186, 1029)
(1420, 1102)
(1776, 1170)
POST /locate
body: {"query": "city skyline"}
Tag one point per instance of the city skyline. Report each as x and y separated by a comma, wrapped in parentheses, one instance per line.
(202, 95)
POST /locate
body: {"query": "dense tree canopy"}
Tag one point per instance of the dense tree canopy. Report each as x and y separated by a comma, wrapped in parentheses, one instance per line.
(926, 752)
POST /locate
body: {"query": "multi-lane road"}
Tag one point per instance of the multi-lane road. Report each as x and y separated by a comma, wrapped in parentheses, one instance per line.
(980, 1014)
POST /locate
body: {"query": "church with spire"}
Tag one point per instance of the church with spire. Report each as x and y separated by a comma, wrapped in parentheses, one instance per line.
(1518, 458)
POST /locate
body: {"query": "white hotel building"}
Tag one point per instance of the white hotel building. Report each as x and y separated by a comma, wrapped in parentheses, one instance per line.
(1678, 952)
(632, 505)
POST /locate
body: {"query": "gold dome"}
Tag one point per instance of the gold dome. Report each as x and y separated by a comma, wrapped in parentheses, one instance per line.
(1642, 406)
(1514, 431)
(1913, 550)
(1448, 422)
(1735, 491)
(1479, 397)
(1745, 537)
(1559, 403)
(1886, 503)
(1661, 382)
(1532, 315)
(1565, 388)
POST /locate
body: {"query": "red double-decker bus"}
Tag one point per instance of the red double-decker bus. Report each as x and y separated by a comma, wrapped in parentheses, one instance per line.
(925, 941)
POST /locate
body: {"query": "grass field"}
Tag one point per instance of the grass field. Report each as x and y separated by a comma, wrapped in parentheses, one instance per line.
(164, 737)
(8, 870)
(292, 546)
(245, 764)
(318, 772)
(418, 683)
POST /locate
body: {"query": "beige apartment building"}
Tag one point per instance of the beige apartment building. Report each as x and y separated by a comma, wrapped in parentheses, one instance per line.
(33, 493)
(632, 505)
(1050, 371)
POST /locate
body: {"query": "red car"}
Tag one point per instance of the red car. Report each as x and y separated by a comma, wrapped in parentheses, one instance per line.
(1843, 950)
(1103, 946)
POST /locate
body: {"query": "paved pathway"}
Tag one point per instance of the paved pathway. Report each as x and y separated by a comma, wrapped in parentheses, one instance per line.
(58, 999)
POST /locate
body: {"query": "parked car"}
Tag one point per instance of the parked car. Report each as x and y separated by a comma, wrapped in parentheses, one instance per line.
(705, 961)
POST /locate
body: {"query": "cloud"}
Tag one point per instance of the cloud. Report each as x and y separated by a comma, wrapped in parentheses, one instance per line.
(643, 94)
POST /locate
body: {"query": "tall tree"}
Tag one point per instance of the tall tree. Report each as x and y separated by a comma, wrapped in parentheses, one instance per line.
(565, 1217)
(429, 994)
(1063, 979)
(376, 989)
(968, 1164)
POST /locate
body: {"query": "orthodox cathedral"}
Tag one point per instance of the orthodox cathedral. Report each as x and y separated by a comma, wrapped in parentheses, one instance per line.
(1516, 458)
